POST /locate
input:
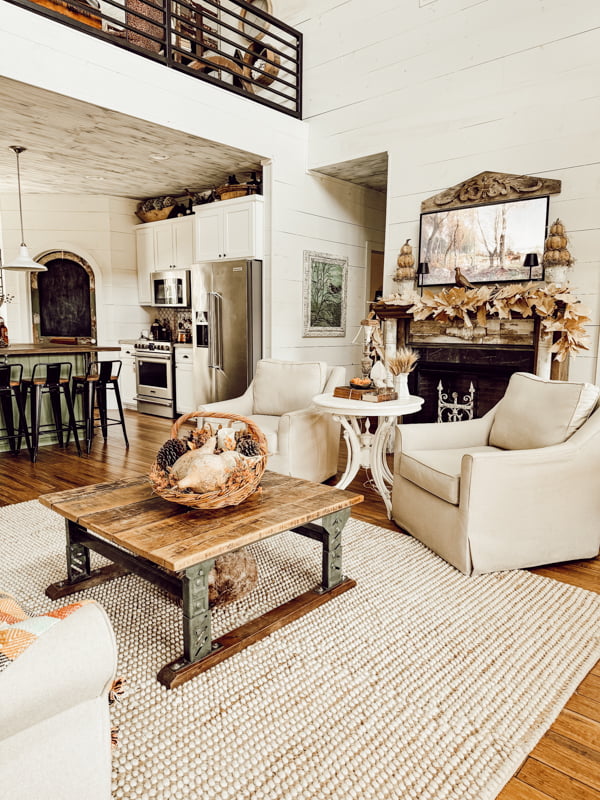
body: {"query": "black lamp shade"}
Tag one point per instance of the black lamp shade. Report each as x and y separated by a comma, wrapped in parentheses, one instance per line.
(423, 268)
(531, 260)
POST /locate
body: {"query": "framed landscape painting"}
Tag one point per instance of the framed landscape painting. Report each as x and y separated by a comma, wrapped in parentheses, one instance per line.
(487, 242)
(324, 294)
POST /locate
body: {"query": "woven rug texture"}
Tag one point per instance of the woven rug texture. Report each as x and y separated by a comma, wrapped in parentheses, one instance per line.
(418, 684)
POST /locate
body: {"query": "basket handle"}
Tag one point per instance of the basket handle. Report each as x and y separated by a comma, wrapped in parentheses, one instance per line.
(252, 426)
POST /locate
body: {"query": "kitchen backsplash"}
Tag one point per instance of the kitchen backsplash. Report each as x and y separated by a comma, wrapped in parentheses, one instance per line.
(179, 321)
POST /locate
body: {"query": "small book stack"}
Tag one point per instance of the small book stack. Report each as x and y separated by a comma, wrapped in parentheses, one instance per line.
(370, 395)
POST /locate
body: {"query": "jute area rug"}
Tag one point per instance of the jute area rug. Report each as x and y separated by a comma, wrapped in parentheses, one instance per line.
(419, 684)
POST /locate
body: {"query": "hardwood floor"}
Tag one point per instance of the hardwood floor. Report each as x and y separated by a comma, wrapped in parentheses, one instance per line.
(565, 765)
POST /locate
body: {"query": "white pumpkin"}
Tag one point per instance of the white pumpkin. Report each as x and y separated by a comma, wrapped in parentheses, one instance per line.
(209, 472)
(184, 463)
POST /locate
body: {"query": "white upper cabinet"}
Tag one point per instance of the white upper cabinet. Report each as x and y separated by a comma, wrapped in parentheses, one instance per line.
(162, 245)
(229, 229)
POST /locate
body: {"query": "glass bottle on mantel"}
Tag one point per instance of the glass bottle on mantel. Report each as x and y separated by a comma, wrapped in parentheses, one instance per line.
(3, 333)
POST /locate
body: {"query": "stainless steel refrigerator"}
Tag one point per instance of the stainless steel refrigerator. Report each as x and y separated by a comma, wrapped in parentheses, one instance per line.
(227, 310)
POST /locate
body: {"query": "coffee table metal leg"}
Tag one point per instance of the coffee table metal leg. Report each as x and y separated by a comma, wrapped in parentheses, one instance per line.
(78, 556)
(333, 525)
(79, 574)
(197, 638)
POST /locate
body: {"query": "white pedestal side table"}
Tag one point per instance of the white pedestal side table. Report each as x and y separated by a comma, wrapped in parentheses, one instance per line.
(365, 449)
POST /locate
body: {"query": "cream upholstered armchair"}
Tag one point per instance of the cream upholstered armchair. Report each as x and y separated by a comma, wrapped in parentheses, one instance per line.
(55, 732)
(516, 488)
(302, 442)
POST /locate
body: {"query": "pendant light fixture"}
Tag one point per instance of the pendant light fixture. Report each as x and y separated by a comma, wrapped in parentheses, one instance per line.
(23, 261)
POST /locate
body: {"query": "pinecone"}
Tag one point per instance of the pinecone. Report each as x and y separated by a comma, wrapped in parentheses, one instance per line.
(248, 446)
(169, 453)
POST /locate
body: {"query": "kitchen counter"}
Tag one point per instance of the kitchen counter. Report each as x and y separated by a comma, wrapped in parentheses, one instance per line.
(53, 349)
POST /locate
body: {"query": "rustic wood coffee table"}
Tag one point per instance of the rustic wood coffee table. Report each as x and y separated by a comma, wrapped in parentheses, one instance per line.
(175, 547)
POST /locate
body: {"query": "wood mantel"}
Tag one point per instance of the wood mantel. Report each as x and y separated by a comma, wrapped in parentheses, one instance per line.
(401, 330)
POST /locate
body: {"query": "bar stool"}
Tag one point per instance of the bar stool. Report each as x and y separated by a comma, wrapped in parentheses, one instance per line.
(53, 379)
(11, 386)
(99, 376)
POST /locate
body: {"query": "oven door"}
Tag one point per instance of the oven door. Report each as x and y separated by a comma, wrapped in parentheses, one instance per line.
(154, 376)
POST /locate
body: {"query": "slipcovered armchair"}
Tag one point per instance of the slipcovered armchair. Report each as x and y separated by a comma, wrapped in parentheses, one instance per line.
(55, 732)
(302, 442)
(516, 488)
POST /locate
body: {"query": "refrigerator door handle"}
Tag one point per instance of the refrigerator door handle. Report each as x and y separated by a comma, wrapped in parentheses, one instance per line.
(215, 337)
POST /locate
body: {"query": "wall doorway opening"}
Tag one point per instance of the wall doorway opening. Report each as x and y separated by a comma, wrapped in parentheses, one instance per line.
(374, 271)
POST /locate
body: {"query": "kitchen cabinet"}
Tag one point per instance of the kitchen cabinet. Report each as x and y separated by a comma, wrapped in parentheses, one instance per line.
(184, 381)
(161, 245)
(229, 229)
(127, 382)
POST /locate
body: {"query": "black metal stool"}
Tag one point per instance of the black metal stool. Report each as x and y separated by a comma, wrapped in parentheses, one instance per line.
(11, 386)
(99, 376)
(53, 379)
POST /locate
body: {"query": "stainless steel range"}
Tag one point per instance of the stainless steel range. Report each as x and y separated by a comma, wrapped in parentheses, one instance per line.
(155, 380)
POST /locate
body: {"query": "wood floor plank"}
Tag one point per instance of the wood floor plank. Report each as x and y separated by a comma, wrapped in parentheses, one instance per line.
(553, 783)
(572, 758)
(517, 790)
(590, 687)
(578, 729)
(585, 706)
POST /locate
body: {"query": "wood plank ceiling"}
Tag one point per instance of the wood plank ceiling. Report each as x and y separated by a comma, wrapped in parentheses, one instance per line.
(75, 147)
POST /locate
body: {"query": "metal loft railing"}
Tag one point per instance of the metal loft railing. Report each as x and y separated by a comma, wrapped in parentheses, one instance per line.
(230, 43)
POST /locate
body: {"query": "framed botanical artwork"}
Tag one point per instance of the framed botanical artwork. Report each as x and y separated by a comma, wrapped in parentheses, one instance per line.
(324, 294)
(488, 243)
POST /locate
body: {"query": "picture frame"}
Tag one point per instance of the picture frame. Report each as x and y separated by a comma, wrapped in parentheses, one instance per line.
(488, 242)
(324, 295)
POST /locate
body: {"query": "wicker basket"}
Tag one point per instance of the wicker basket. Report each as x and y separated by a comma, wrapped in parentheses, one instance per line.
(231, 190)
(155, 214)
(241, 483)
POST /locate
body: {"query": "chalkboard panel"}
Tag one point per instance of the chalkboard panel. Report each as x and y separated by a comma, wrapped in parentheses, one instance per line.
(64, 299)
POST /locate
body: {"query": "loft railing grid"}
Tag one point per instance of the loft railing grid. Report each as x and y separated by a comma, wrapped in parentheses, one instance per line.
(228, 43)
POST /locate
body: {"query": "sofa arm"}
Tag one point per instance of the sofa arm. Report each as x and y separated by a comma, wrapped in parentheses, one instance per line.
(241, 405)
(527, 507)
(73, 661)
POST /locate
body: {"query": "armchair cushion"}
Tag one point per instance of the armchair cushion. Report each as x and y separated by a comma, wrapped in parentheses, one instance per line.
(282, 386)
(437, 471)
(538, 413)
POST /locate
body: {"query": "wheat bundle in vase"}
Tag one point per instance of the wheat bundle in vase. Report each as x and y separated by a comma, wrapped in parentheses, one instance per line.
(403, 362)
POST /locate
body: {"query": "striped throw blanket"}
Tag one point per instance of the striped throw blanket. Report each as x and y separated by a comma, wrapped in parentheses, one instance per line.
(18, 630)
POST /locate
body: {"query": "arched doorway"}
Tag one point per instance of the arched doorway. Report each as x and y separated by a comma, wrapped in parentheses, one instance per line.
(63, 299)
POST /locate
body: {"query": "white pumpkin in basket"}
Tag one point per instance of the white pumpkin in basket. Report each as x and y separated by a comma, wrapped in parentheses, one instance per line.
(208, 471)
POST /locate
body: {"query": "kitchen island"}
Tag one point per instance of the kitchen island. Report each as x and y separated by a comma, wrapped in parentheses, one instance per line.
(28, 354)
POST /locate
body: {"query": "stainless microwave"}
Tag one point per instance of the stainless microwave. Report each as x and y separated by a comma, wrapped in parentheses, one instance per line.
(171, 287)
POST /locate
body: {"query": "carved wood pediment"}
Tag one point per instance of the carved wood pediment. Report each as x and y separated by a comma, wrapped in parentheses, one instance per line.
(491, 187)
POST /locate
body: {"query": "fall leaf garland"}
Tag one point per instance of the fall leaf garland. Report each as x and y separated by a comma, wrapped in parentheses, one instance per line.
(558, 309)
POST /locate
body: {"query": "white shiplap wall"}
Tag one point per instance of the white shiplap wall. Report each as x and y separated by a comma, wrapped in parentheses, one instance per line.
(450, 88)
